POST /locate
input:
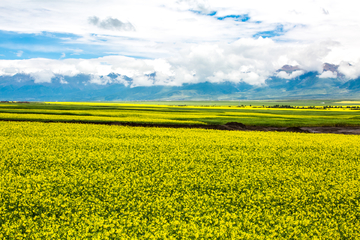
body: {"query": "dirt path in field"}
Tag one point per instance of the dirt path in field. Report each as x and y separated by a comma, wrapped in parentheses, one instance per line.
(234, 126)
(231, 126)
(336, 130)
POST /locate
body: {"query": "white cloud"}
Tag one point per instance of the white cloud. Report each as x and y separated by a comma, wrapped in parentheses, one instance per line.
(350, 71)
(328, 74)
(245, 60)
(76, 51)
(103, 80)
(161, 21)
(63, 81)
(19, 53)
(100, 80)
(121, 80)
(43, 76)
(111, 24)
(183, 43)
(292, 75)
(195, 5)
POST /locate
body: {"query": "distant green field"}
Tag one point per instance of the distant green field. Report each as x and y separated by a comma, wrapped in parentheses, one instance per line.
(260, 113)
(252, 103)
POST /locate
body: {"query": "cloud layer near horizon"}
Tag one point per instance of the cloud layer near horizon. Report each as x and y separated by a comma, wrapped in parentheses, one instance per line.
(184, 41)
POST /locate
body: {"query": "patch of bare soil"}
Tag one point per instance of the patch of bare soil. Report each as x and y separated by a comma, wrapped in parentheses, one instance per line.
(235, 126)
(336, 130)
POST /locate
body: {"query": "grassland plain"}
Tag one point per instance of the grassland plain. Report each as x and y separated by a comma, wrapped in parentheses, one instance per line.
(78, 181)
(165, 114)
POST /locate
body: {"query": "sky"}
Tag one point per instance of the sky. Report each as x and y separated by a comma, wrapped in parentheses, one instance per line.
(183, 41)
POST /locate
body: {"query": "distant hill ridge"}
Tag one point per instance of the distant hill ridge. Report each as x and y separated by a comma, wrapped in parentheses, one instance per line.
(22, 87)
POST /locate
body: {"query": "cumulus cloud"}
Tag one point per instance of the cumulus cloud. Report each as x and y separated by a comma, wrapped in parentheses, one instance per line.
(201, 6)
(245, 60)
(100, 80)
(111, 24)
(292, 75)
(242, 60)
(42, 76)
(328, 74)
(63, 81)
(103, 80)
(19, 53)
(183, 46)
(351, 71)
(165, 27)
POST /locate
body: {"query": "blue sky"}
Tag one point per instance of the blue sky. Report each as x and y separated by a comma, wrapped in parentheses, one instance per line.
(183, 41)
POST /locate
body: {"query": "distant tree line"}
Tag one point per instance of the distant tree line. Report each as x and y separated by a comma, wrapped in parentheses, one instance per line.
(306, 107)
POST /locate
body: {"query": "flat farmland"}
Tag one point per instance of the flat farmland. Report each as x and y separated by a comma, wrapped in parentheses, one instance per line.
(77, 181)
(296, 116)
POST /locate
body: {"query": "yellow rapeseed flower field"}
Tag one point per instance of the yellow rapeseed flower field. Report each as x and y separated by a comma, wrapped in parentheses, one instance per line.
(77, 181)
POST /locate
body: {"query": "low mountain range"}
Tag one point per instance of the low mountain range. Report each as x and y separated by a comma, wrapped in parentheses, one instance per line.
(22, 87)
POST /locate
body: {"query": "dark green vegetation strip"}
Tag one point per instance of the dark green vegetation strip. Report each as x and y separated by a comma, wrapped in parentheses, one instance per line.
(73, 181)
